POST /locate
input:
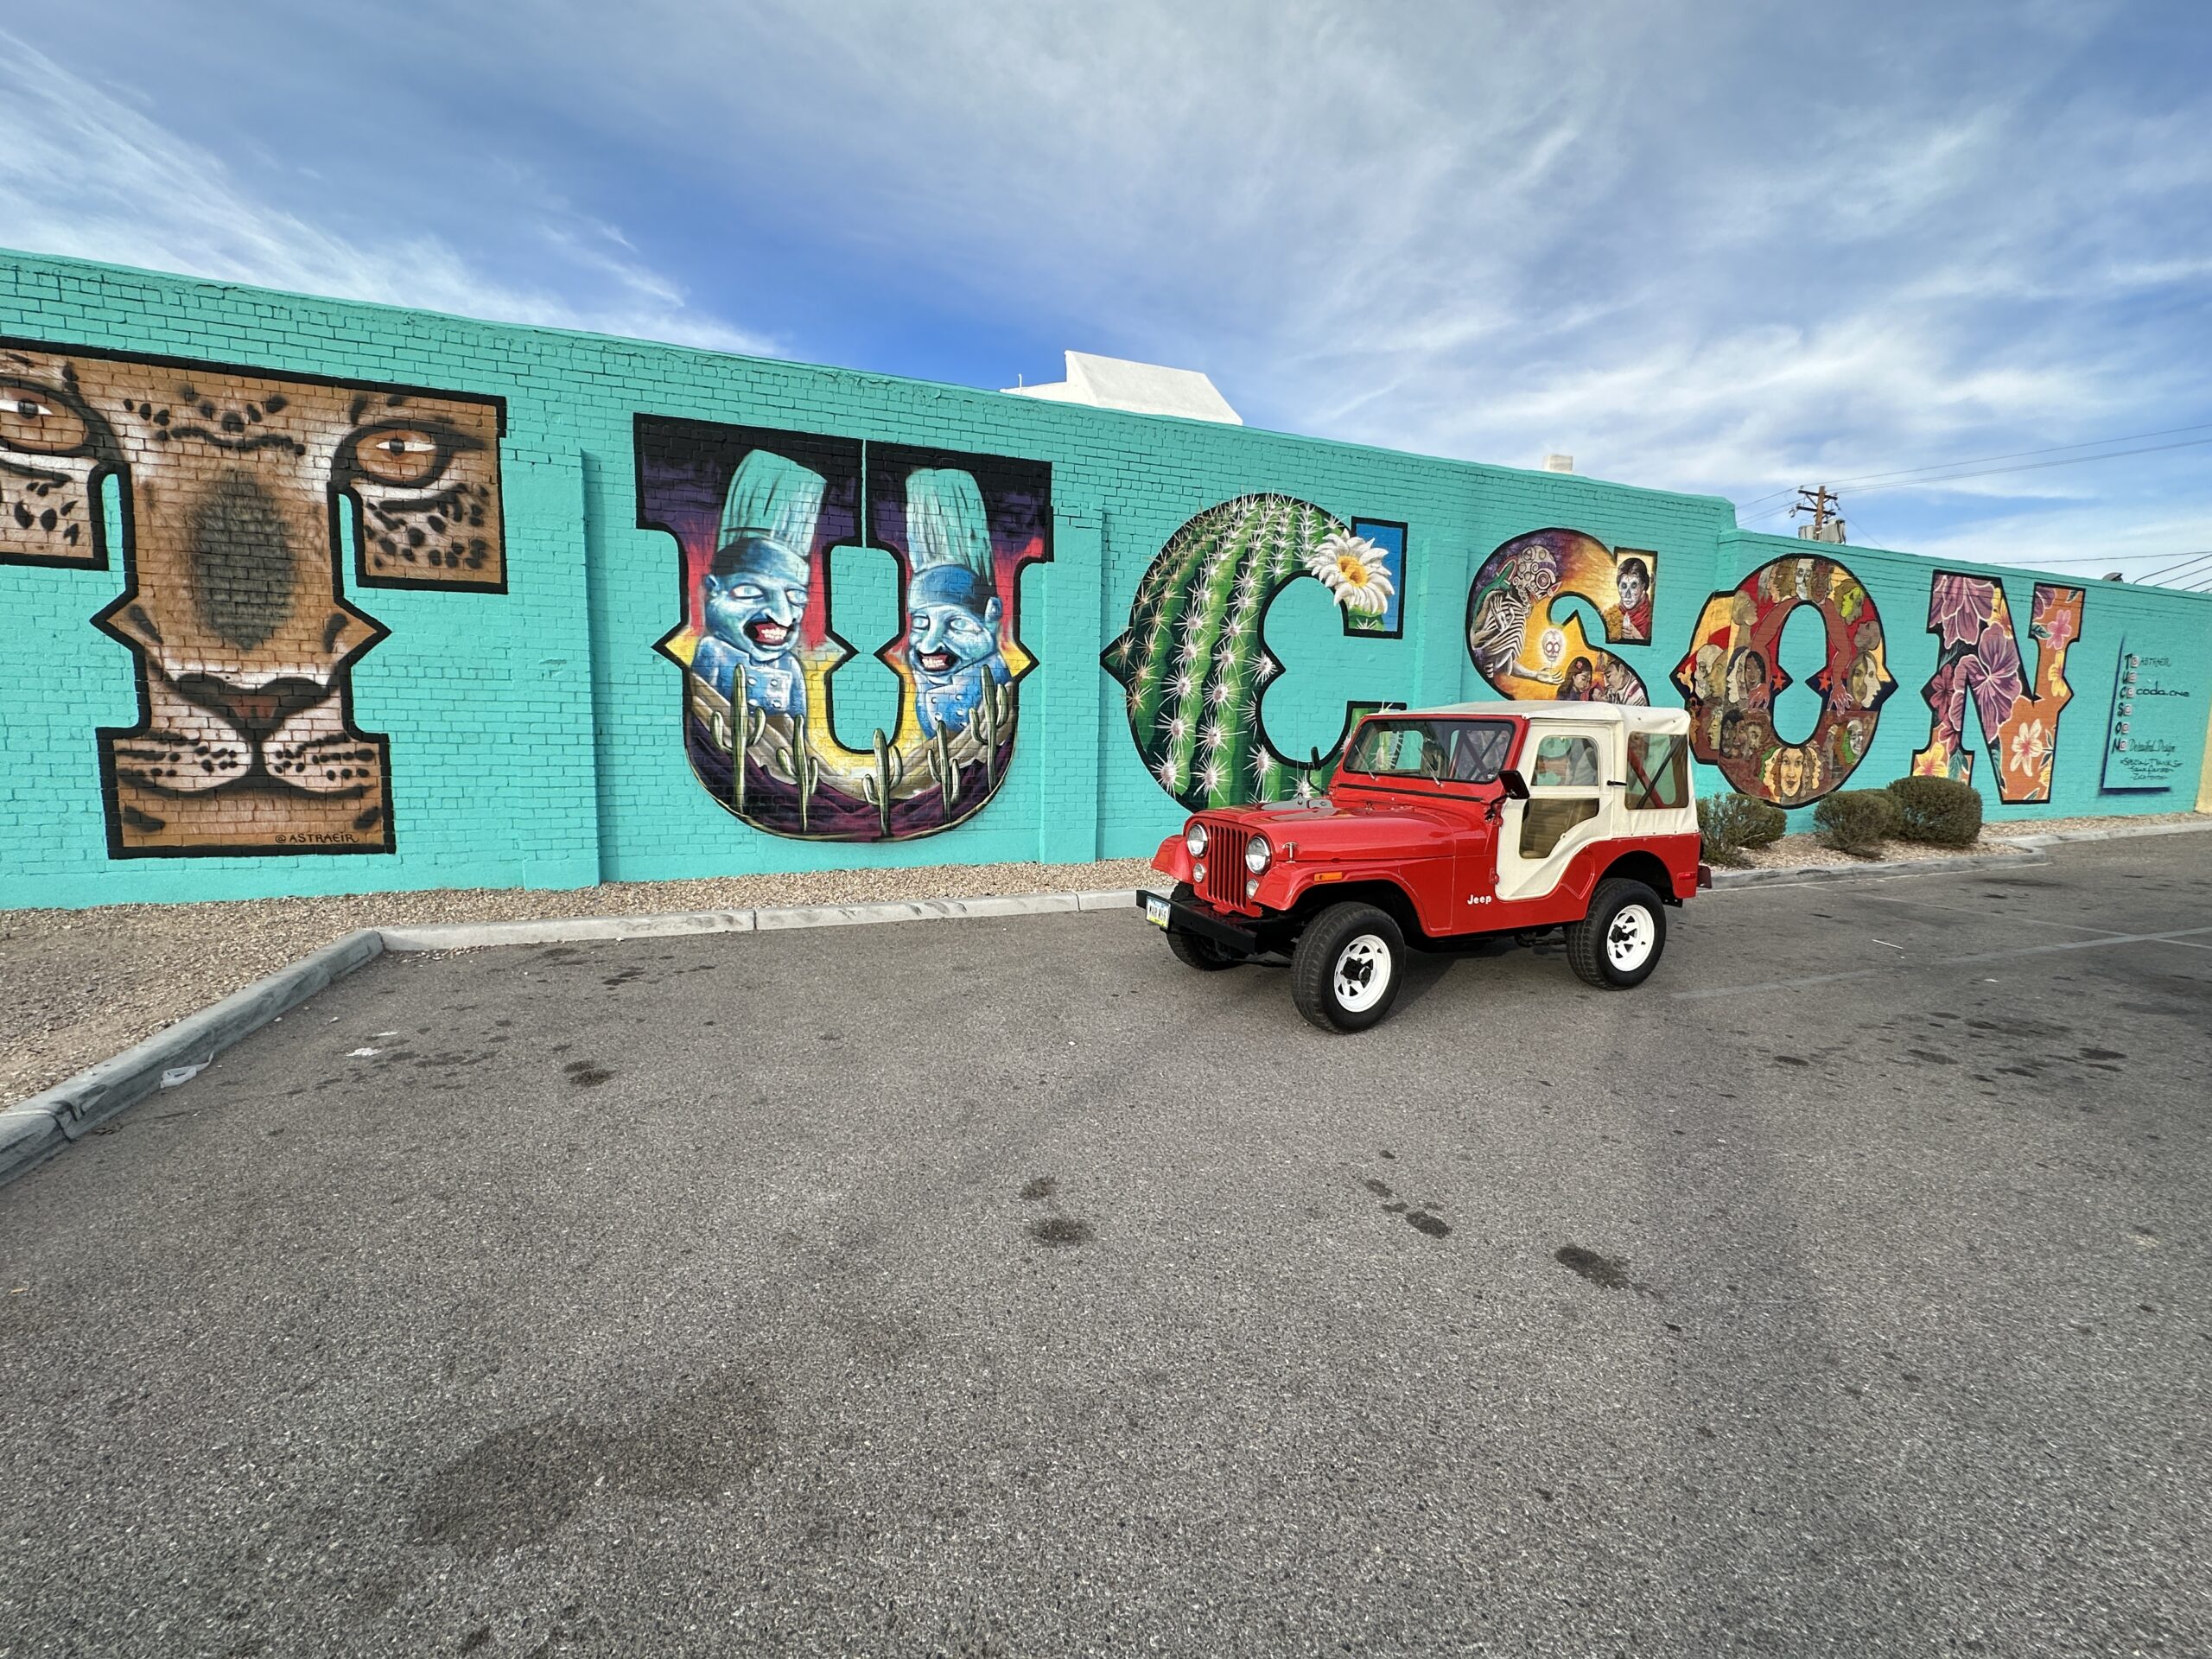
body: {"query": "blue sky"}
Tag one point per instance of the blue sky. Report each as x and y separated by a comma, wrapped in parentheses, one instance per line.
(1706, 246)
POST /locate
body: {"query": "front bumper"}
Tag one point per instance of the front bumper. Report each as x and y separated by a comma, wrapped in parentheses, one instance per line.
(1185, 917)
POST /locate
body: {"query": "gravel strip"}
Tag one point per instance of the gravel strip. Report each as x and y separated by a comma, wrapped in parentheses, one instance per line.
(77, 986)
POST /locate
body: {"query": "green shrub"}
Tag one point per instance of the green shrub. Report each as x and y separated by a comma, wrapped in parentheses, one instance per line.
(1937, 810)
(1857, 821)
(1728, 823)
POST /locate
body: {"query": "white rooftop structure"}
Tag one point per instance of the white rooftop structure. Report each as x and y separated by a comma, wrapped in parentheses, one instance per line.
(1141, 388)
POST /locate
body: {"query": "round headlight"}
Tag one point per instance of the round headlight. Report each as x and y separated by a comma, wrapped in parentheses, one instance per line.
(1195, 839)
(1258, 854)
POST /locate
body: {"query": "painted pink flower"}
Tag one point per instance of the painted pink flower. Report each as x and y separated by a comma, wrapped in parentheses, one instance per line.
(1959, 609)
(1993, 672)
(2057, 618)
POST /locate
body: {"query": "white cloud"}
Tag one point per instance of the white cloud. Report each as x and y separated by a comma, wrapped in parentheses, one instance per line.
(87, 174)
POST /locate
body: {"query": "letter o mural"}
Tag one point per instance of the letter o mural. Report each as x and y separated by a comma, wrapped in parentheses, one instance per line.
(1730, 677)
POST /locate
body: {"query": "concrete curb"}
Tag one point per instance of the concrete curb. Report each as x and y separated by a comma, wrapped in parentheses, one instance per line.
(2124, 833)
(1803, 873)
(484, 935)
(34, 1130)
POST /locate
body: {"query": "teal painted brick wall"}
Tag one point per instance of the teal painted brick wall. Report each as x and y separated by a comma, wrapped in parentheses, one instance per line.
(536, 735)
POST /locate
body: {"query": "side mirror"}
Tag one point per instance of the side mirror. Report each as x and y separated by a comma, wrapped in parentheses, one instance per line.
(1516, 786)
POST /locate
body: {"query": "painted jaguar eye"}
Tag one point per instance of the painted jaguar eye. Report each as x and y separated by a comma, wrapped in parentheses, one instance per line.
(405, 456)
(34, 419)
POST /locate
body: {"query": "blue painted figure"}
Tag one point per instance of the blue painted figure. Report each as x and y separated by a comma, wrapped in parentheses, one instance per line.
(952, 640)
(755, 592)
(952, 609)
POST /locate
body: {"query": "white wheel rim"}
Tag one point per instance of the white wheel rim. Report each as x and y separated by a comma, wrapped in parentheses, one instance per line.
(1629, 940)
(1362, 973)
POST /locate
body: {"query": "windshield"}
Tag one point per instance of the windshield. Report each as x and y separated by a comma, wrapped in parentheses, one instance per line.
(1444, 751)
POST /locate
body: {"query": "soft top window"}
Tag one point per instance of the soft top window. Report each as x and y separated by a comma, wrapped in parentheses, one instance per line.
(1444, 751)
(1564, 761)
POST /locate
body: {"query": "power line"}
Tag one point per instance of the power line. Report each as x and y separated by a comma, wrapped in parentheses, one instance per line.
(2031, 467)
(2015, 455)
(2194, 558)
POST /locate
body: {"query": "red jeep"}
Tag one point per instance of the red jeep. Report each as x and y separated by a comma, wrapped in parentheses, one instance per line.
(1444, 827)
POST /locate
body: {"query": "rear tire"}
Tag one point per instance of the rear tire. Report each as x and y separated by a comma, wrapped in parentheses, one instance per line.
(1191, 950)
(1620, 942)
(1346, 971)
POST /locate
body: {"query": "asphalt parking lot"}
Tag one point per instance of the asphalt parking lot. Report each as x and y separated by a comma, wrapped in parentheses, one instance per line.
(1001, 1286)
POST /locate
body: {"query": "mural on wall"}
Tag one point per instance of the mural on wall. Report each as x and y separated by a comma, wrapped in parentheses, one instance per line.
(1524, 652)
(754, 513)
(236, 489)
(2156, 722)
(1731, 674)
(1193, 663)
(1979, 656)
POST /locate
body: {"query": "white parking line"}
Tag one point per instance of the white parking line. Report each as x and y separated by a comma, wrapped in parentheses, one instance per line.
(1988, 915)
(2182, 936)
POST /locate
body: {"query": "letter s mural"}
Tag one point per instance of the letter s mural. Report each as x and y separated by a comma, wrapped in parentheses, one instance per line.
(236, 489)
(1193, 663)
(1518, 647)
(754, 513)
(1730, 677)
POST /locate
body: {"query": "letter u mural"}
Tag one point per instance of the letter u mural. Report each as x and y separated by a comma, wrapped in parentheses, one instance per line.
(755, 514)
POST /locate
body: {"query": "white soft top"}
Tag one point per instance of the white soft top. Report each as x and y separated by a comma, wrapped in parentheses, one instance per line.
(1605, 714)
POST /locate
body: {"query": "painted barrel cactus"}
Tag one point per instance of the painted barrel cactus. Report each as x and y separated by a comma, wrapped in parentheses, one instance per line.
(1192, 663)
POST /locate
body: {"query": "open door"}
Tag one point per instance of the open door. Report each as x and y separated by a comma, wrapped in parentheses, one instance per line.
(1565, 767)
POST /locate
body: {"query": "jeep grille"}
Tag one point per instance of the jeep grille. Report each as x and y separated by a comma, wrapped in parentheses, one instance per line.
(1224, 885)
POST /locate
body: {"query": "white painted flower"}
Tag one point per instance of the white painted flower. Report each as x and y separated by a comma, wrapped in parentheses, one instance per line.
(2031, 749)
(1351, 568)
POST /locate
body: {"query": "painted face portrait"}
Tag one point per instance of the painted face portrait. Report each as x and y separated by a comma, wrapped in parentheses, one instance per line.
(1581, 681)
(953, 622)
(1789, 774)
(1865, 680)
(1747, 682)
(755, 599)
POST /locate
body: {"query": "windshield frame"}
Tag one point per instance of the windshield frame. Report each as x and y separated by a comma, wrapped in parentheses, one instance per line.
(1352, 777)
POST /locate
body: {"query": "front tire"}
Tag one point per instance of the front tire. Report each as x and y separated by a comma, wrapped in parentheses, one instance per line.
(1191, 950)
(1344, 973)
(1620, 942)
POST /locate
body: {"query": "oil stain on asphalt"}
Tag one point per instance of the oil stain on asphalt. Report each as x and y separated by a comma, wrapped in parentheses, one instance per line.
(518, 1485)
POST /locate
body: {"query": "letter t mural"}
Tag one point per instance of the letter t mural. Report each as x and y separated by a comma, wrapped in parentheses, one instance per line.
(234, 489)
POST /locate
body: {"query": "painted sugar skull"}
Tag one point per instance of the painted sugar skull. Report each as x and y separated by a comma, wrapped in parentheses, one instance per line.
(232, 485)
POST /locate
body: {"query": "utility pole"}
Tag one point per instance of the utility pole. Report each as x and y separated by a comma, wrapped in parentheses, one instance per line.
(1820, 502)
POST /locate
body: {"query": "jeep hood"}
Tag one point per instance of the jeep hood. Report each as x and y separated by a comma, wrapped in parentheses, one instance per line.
(1387, 826)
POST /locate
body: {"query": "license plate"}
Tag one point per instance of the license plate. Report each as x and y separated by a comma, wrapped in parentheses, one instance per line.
(1155, 910)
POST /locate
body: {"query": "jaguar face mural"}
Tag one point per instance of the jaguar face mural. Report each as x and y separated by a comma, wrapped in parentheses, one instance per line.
(1979, 657)
(1524, 652)
(233, 485)
(755, 513)
(1193, 664)
(1733, 674)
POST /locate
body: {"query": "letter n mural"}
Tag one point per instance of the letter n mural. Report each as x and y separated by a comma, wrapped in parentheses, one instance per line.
(1979, 659)
(1730, 677)
(237, 488)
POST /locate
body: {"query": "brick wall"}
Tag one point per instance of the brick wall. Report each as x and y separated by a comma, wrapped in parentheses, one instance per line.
(397, 624)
